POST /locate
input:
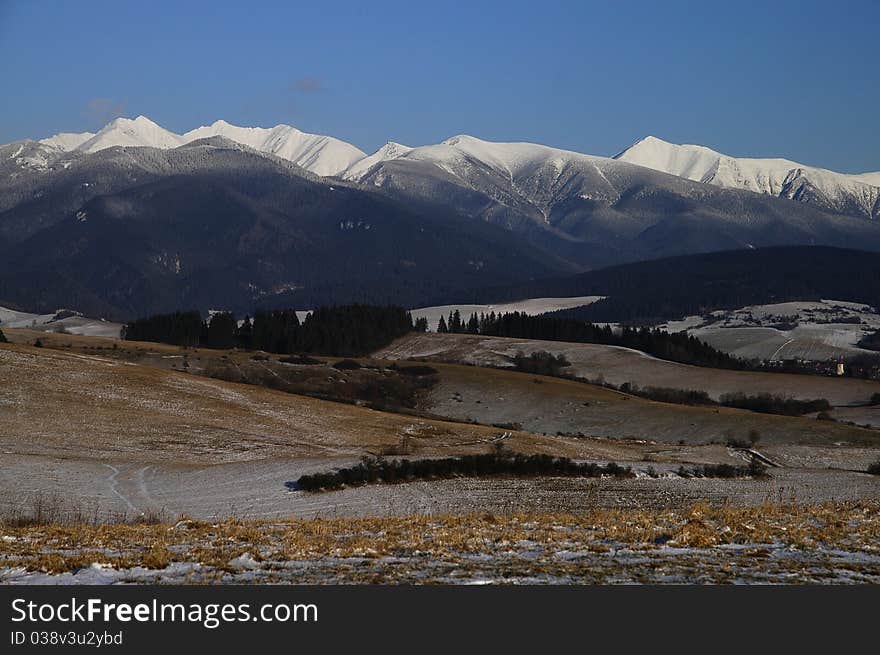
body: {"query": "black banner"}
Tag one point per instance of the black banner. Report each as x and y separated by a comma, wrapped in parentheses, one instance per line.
(408, 619)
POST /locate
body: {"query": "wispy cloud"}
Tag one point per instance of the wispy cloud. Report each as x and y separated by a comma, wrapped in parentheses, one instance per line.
(100, 111)
(309, 85)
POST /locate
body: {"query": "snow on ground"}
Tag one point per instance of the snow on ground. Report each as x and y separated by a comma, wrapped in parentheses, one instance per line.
(816, 330)
(766, 544)
(618, 365)
(61, 320)
(530, 306)
(525, 562)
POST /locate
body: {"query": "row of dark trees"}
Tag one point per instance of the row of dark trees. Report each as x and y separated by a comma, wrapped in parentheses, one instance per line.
(455, 324)
(383, 471)
(763, 403)
(346, 331)
(677, 346)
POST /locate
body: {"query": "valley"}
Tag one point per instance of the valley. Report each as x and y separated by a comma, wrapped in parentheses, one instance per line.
(124, 428)
(124, 433)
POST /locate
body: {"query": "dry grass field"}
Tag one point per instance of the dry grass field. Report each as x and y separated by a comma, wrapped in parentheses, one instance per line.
(106, 445)
(111, 435)
(620, 365)
(830, 543)
(549, 405)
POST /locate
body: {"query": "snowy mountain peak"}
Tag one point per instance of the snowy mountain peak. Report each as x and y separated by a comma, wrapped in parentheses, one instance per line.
(322, 155)
(830, 190)
(67, 141)
(392, 147)
(462, 139)
(140, 131)
(362, 167)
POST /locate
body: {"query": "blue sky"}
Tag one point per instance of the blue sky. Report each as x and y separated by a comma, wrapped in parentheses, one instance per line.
(794, 79)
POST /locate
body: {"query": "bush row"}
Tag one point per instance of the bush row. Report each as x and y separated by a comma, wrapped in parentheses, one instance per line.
(753, 470)
(763, 403)
(382, 471)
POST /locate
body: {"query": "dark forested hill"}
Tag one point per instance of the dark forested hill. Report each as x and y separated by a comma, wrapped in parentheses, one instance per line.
(668, 288)
(213, 225)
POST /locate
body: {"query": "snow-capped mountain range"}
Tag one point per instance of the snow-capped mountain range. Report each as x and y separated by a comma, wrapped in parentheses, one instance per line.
(258, 213)
(322, 155)
(326, 156)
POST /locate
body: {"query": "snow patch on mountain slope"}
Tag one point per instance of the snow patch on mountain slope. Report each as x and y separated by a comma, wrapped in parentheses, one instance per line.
(68, 141)
(868, 178)
(778, 177)
(509, 159)
(389, 151)
(322, 155)
(529, 177)
(140, 131)
(459, 155)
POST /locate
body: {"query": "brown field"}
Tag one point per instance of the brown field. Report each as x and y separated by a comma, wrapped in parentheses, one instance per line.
(549, 405)
(108, 435)
(99, 428)
(620, 365)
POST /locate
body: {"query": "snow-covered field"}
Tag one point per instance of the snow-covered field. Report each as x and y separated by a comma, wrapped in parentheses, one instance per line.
(61, 320)
(530, 306)
(812, 330)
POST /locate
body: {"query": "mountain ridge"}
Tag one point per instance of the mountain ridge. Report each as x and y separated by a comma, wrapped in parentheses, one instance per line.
(841, 192)
(416, 224)
(328, 156)
(319, 154)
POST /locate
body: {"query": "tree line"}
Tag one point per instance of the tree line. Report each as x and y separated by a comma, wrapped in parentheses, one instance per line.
(676, 346)
(764, 403)
(655, 291)
(383, 471)
(345, 331)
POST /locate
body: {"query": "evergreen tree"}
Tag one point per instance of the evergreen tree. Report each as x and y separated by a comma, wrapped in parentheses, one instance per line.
(349, 331)
(220, 332)
(441, 326)
(455, 323)
(677, 346)
(179, 328)
(245, 333)
(473, 324)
